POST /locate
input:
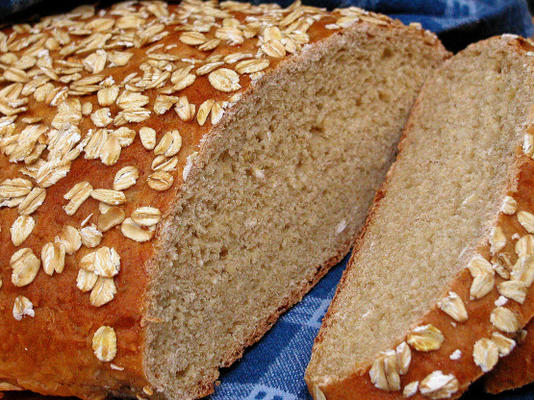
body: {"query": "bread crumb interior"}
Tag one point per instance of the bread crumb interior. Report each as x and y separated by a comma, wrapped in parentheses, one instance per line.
(287, 186)
(443, 198)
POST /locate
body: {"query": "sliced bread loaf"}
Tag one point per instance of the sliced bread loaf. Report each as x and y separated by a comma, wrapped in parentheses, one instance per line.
(173, 177)
(437, 284)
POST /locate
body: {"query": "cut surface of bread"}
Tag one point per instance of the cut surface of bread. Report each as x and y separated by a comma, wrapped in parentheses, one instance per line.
(517, 369)
(173, 177)
(297, 165)
(439, 278)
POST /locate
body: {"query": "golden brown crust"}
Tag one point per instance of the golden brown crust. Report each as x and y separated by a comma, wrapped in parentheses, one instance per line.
(516, 370)
(459, 335)
(51, 352)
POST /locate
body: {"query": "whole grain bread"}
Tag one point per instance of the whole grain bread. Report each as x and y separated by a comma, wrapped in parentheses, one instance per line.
(441, 278)
(174, 177)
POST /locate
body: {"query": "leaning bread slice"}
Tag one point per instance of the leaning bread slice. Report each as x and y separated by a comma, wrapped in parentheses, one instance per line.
(442, 275)
(173, 177)
(517, 369)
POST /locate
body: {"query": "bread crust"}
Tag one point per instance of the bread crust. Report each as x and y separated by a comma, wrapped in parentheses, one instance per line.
(516, 370)
(460, 336)
(51, 353)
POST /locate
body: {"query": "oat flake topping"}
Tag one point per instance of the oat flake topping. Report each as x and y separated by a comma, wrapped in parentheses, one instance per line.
(73, 89)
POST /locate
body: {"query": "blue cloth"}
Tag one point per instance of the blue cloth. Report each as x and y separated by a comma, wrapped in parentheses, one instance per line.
(443, 15)
(273, 369)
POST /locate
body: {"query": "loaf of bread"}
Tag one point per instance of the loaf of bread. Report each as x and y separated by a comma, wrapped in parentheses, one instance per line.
(517, 369)
(174, 177)
(442, 277)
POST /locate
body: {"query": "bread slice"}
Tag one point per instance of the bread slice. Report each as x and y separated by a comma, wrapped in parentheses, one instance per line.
(418, 311)
(517, 369)
(183, 174)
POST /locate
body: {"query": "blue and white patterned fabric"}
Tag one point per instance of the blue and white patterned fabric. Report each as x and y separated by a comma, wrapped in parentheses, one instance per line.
(273, 369)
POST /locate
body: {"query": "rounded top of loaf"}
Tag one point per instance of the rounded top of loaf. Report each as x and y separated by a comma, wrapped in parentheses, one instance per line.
(104, 113)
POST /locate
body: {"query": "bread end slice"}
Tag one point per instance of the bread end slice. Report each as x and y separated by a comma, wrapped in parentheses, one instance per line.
(437, 283)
